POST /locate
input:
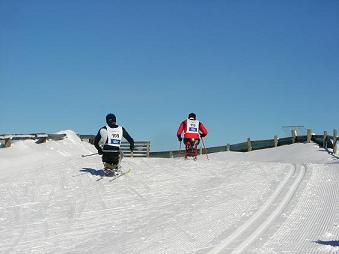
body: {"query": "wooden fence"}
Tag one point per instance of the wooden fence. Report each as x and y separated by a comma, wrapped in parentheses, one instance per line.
(39, 137)
(142, 148)
(323, 140)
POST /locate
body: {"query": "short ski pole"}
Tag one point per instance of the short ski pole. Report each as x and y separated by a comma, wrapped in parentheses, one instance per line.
(206, 152)
(86, 155)
(179, 152)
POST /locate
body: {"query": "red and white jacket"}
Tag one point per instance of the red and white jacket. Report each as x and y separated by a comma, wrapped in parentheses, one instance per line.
(192, 129)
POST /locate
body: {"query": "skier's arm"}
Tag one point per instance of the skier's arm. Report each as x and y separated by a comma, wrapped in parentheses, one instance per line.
(96, 142)
(128, 138)
(202, 129)
(180, 130)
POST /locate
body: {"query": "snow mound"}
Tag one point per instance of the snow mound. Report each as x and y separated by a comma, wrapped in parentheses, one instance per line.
(71, 135)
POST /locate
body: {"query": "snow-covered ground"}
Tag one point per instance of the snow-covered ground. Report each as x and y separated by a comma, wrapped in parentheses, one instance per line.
(281, 200)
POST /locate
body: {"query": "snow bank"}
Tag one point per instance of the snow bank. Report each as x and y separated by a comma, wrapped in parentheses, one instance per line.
(24, 153)
(71, 135)
(51, 201)
(296, 153)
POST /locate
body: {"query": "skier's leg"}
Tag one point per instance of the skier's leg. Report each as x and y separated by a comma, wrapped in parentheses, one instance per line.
(187, 147)
(111, 161)
(114, 162)
(190, 148)
(106, 160)
(196, 143)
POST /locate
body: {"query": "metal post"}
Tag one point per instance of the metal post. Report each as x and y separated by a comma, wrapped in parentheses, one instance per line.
(294, 135)
(309, 135)
(249, 145)
(8, 142)
(148, 148)
(275, 141)
(325, 139)
(335, 137)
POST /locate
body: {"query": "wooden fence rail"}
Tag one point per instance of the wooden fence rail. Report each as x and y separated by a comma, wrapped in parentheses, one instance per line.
(39, 137)
(141, 148)
(324, 140)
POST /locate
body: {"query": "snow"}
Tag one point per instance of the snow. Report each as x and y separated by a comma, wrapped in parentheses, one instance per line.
(279, 200)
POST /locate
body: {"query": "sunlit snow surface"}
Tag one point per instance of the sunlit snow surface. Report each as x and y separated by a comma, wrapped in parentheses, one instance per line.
(282, 200)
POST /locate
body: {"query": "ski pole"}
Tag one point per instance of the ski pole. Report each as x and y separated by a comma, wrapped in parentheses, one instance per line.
(203, 143)
(86, 155)
(179, 152)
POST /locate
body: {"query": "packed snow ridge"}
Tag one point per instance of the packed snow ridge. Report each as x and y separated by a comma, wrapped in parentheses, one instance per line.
(279, 200)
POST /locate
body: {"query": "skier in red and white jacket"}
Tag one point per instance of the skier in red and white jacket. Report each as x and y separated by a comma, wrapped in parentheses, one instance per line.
(193, 130)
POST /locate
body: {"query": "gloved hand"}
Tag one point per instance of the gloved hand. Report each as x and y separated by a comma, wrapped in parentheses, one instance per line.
(179, 138)
(131, 146)
(100, 151)
(202, 135)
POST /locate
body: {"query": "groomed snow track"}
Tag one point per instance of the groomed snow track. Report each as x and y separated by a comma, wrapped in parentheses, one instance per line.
(241, 238)
(282, 200)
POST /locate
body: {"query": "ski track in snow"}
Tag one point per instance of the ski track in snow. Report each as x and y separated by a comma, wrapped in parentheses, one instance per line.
(312, 225)
(50, 202)
(262, 217)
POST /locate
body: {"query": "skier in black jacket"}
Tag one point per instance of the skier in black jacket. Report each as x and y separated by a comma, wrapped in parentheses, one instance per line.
(108, 141)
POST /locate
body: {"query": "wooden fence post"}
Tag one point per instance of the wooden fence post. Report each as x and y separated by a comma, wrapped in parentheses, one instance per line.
(41, 140)
(8, 142)
(335, 134)
(294, 135)
(325, 139)
(249, 145)
(309, 135)
(275, 141)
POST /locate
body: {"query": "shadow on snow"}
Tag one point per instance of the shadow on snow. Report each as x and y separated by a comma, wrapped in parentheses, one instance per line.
(93, 171)
(333, 243)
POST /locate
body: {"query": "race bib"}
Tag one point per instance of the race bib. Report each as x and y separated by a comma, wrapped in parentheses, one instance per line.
(114, 136)
(192, 126)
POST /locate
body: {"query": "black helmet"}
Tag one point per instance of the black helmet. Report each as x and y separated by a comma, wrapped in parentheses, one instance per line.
(192, 116)
(111, 119)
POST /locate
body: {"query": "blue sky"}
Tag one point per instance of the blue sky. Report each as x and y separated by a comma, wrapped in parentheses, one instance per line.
(245, 67)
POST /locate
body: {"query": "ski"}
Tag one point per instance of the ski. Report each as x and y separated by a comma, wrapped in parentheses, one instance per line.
(100, 178)
(107, 173)
(119, 175)
(113, 176)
